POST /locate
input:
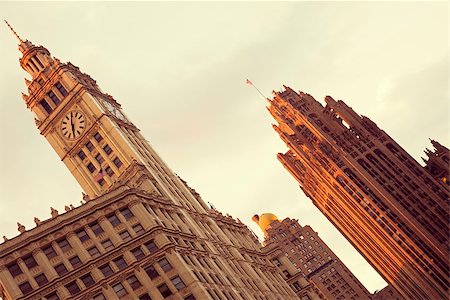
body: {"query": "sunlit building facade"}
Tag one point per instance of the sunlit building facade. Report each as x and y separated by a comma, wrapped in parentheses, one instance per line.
(140, 231)
(311, 257)
(392, 210)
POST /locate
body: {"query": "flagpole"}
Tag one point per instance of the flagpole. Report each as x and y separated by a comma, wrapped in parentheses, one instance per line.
(251, 83)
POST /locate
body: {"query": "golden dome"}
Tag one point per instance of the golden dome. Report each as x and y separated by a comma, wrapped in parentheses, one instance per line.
(265, 220)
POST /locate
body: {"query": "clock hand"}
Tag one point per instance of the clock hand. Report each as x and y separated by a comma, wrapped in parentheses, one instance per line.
(73, 127)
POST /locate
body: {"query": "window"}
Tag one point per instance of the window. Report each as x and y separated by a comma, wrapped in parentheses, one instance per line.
(26, 288)
(99, 158)
(75, 262)
(64, 245)
(107, 244)
(41, 279)
(99, 297)
(81, 155)
(82, 235)
(117, 162)
(46, 106)
(120, 290)
(101, 181)
(90, 146)
(190, 297)
(145, 297)
(178, 283)
(109, 171)
(114, 220)
(134, 282)
(151, 246)
(73, 288)
(96, 228)
(91, 167)
(127, 214)
(52, 296)
(14, 269)
(30, 262)
(138, 229)
(98, 137)
(151, 272)
(125, 236)
(138, 254)
(164, 290)
(107, 149)
(87, 280)
(93, 252)
(61, 89)
(165, 265)
(54, 98)
(106, 270)
(120, 263)
(61, 269)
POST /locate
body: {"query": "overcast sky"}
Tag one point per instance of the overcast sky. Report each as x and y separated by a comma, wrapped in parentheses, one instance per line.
(179, 71)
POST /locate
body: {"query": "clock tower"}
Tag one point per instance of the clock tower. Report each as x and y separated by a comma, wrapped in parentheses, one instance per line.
(99, 145)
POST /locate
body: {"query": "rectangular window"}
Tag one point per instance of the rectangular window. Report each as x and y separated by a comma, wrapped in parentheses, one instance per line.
(99, 158)
(151, 272)
(38, 61)
(165, 265)
(191, 297)
(75, 262)
(93, 252)
(117, 162)
(82, 235)
(106, 270)
(107, 245)
(26, 288)
(41, 279)
(99, 297)
(178, 283)
(107, 149)
(30, 262)
(134, 282)
(145, 297)
(120, 290)
(127, 214)
(101, 181)
(73, 288)
(96, 228)
(98, 137)
(88, 280)
(54, 98)
(81, 155)
(64, 245)
(138, 254)
(14, 269)
(61, 269)
(151, 246)
(61, 89)
(125, 236)
(120, 263)
(138, 229)
(109, 171)
(113, 220)
(46, 106)
(164, 290)
(89, 146)
(52, 296)
(91, 167)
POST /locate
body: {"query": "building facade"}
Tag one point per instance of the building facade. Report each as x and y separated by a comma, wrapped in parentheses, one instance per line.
(392, 210)
(315, 261)
(141, 232)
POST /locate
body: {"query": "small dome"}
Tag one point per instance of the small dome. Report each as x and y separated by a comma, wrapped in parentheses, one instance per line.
(265, 220)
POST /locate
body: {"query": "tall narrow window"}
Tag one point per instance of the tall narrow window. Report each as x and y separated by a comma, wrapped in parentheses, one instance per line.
(107, 149)
(98, 137)
(54, 98)
(117, 162)
(120, 290)
(96, 228)
(30, 262)
(50, 252)
(165, 265)
(91, 167)
(64, 245)
(127, 214)
(164, 290)
(73, 288)
(90, 146)
(38, 61)
(61, 89)
(114, 220)
(46, 106)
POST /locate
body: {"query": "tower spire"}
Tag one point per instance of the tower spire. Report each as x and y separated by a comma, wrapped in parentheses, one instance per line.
(14, 32)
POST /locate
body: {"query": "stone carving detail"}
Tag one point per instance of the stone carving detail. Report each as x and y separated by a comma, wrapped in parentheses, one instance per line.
(21, 228)
(37, 221)
(54, 212)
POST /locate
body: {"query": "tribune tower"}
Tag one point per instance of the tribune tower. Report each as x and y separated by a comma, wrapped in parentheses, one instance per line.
(141, 232)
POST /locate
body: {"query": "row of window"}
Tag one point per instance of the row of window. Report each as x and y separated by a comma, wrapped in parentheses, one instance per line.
(49, 106)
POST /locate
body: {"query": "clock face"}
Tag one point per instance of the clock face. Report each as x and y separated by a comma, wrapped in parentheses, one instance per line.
(113, 110)
(73, 125)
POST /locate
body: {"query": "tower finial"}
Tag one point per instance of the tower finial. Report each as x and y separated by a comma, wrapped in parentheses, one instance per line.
(14, 32)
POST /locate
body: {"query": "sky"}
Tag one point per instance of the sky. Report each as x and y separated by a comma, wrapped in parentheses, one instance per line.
(179, 71)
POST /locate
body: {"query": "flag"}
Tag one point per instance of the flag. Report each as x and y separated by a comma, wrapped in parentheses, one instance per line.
(99, 175)
(248, 82)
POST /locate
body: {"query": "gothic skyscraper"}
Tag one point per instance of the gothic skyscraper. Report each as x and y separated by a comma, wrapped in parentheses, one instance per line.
(393, 210)
(141, 232)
